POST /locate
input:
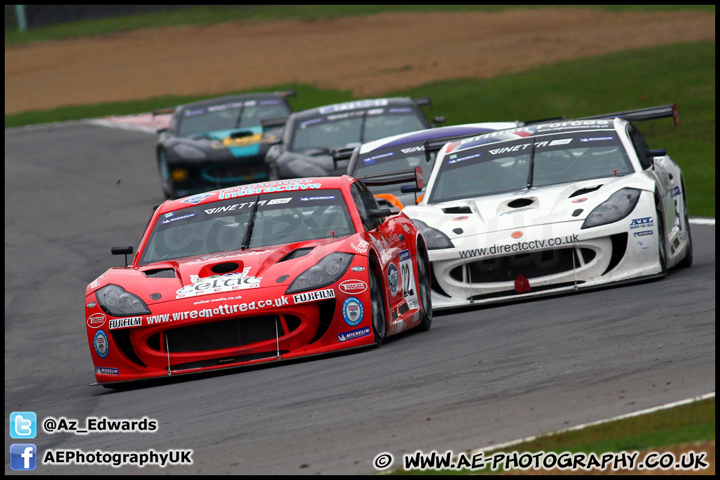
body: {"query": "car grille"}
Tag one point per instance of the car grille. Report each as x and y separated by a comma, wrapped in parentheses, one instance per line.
(221, 335)
(530, 265)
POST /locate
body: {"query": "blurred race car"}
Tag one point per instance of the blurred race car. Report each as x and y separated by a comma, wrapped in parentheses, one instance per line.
(311, 135)
(551, 208)
(218, 142)
(392, 157)
(258, 273)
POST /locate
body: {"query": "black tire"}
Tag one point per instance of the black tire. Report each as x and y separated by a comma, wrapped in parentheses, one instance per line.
(377, 300)
(662, 247)
(423, 269)
(688, 259)
(165, 180)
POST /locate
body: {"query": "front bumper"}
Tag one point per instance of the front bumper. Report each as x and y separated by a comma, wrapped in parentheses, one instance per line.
(544, 260)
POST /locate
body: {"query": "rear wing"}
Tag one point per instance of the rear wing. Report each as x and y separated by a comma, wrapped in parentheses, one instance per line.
(401, 176)
(640, 114)
(340, 154)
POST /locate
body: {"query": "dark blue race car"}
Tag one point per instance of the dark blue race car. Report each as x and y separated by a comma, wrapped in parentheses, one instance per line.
(311, 135)
(220, 142)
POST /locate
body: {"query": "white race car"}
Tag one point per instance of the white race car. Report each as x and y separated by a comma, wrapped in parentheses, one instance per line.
(551, 208)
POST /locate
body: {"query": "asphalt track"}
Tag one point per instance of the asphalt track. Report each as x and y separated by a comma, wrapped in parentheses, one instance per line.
(479, 377)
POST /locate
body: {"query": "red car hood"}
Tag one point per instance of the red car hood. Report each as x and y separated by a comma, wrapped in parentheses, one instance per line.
(250, 269)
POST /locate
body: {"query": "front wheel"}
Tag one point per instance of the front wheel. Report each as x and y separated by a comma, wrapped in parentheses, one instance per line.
(377, 300)
(165, 180)
(662, 248)
(423, 269)
(688, 259)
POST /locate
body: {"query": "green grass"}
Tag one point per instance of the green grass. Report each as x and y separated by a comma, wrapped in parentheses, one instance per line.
(218, 13)
(678, 73)
(685, 424)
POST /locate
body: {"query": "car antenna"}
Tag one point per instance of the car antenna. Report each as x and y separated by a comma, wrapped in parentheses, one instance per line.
(251, 224)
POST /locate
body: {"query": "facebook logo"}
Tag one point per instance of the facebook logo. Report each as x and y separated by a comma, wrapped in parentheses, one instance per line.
(23, 456)
(23, 425)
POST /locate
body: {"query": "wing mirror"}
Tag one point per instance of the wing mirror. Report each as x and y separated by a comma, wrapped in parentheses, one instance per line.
(122, 251)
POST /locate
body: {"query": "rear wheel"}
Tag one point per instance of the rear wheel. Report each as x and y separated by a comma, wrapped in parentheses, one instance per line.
(423, 269)
(688, 259)
(377, 300)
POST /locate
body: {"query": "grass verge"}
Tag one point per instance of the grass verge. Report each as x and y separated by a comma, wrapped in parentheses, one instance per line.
(687, 424)
(679, 73)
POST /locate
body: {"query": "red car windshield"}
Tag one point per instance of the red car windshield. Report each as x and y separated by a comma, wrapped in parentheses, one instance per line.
(222, 226)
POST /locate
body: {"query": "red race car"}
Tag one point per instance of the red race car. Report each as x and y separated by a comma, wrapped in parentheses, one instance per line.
(258, 273)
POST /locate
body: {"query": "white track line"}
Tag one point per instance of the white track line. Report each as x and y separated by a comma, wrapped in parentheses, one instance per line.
(703, 221)
(599, 422)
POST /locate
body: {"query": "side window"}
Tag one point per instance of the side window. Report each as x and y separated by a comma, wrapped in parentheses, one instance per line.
(364, 201)
(641, 147)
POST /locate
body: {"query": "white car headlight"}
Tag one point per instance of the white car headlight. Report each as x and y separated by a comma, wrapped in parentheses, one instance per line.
(434, 238)
(615, 208)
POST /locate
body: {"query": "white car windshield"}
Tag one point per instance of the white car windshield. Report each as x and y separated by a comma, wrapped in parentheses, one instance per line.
(505, 166)
(222, 226)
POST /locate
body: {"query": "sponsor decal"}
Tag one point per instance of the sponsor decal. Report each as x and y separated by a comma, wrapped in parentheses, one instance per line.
(362, 246)
(371, 160)
(91, 305)
(498, 249)
(325, 197)
(101, 344)
(575, 123)
(358, 269)
(175, 219)
(245, 190)
(636, 223)
(168, 215)
(397, 326)
(578, 200)
(353, 286)
(392, 277)
(126, 322)
(379, 102)
(419, 148)
(563, 141)
(195, 199)
(460, 219)
(107, 371)
(316, 295)
(219, 283)
(352, 311)
(360, 332)
(219, 311)
(276, 201)
(96, 321)
(95, 283)
(675, 191)
(243, 141)
(407, 277)
(238, 206)
(643, 233)
(594, 139)
(462, 159)
(517, 234)
(515, 210)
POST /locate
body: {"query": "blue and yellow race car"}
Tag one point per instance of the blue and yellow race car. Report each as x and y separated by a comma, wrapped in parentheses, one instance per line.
(219, 142)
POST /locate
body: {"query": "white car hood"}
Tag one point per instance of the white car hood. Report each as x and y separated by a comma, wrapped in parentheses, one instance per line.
(538, 206)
